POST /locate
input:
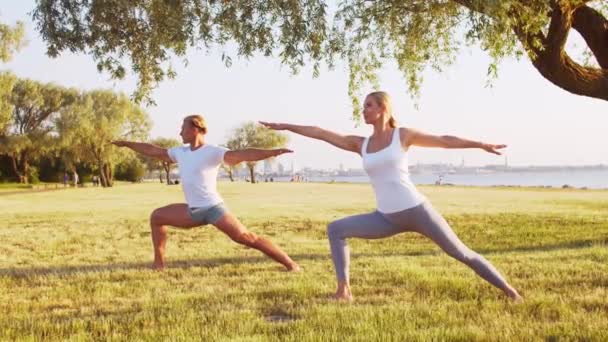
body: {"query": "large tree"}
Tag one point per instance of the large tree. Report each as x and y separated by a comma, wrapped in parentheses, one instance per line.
(35, 106)
(364, 33)
(252, 135)
(91, 123)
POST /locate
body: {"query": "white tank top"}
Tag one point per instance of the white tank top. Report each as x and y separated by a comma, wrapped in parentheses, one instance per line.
(390, 178)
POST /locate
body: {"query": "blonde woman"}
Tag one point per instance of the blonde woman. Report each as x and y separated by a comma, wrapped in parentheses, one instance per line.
(198, 164)
(400, 207)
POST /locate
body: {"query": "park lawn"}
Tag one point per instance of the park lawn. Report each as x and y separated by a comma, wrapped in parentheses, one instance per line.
(73, 265)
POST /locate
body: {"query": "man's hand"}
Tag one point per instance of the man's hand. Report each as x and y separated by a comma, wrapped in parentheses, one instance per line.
(280, 151)
(120, 143)
(273, 125)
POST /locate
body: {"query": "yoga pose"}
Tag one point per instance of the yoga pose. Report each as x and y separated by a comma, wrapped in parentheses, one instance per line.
(400, 207)
(198, 165)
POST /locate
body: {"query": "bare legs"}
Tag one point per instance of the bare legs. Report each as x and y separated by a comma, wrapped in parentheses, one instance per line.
(177, 215)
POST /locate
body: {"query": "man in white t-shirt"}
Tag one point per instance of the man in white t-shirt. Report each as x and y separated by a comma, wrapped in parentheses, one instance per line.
(198, 165)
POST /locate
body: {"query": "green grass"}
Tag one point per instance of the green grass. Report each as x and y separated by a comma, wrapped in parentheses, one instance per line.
(14, 187)
(73, 267)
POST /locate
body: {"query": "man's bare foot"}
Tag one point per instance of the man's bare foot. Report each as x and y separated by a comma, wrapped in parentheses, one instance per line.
(158, 266)
(294, 268)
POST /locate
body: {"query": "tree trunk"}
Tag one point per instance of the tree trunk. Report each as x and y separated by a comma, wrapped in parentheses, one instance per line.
(102, 174)
(111, 174)
(251, 172)
(21, 167)
(107, 170)
(167, 168)
(25, 170)
(15, 168)
(230, 175)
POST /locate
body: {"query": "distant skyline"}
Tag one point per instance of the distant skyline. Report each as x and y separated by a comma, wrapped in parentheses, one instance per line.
(542, 124)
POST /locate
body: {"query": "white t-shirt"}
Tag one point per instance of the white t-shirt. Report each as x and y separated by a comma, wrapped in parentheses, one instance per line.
(198, 172)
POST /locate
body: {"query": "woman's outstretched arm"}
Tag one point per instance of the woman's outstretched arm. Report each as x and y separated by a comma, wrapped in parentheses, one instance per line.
(350, 143)
(415, 137)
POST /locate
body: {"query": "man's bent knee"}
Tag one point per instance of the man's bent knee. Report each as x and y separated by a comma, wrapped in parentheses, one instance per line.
(246, 238)
(156, 217)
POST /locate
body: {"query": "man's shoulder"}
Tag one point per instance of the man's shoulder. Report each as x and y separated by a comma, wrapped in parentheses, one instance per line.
(178, 148)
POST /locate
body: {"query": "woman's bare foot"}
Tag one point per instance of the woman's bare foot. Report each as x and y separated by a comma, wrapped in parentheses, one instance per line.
(514, 295)
(343, 293)
(343, 297)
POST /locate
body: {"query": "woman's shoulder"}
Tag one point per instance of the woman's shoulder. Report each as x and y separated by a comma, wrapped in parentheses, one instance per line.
(405, 133)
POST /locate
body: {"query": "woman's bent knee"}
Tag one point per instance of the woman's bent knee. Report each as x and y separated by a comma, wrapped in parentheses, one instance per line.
(334, 230)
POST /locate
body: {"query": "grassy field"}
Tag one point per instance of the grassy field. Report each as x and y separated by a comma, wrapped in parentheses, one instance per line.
(14, 187)
(73, 266)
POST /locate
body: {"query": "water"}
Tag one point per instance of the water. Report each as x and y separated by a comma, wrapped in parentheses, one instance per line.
(593, 179)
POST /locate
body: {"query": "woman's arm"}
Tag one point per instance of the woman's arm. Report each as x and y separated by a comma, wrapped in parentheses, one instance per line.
(251, 154)
(146, 149)
(417, 138)
(350, 143)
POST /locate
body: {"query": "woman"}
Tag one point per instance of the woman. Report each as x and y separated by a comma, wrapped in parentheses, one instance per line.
(198, 165)
(400, 207)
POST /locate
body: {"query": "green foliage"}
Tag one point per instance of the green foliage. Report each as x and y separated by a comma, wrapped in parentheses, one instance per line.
(416, 35)
(29, 134)
(150, 32)
(11, 40)
(33, 175)
(131, 169)
(41, 122)
(7, 82)
(88, 126)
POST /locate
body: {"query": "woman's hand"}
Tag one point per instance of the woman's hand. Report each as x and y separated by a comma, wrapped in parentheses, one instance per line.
(492, 148)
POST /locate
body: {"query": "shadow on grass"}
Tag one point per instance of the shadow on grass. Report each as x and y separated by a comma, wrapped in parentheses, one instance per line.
(23, 272)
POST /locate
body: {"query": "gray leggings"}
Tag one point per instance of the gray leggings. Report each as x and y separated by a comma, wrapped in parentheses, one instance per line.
(423, 219)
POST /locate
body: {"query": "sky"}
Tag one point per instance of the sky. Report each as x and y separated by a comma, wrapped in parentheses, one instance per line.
(541, 123)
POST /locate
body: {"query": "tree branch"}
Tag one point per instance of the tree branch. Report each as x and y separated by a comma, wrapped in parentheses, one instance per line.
(551, 59)
(592, 25)
(557, 67)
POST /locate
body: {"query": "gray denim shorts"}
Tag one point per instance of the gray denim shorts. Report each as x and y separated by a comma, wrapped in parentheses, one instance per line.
(208, 215)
